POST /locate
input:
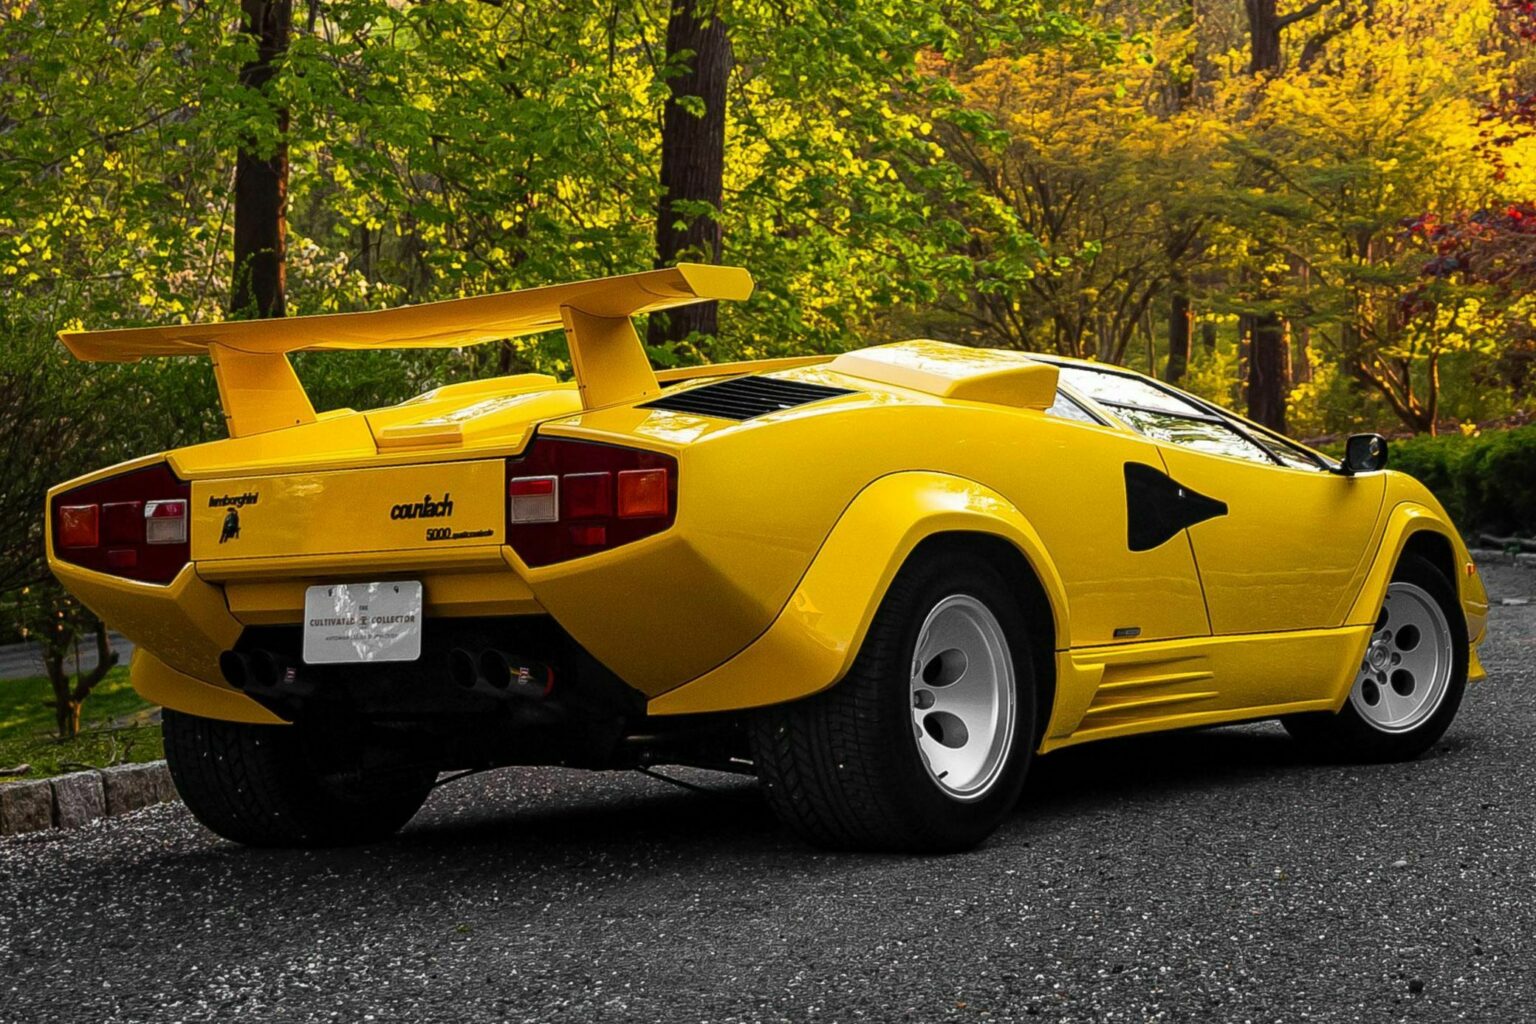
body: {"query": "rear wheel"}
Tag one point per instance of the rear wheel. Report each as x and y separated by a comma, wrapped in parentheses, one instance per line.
(275, 785)
(924, 745)
(1410, 682)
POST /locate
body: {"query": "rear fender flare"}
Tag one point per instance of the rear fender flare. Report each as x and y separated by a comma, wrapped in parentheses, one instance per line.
(812, 642)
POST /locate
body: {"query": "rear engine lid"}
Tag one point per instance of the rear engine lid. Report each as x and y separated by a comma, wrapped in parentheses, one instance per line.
(444, 505)
(502, 411)
(995, 376)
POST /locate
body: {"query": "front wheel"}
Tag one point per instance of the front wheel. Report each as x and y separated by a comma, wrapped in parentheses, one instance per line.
(924, 745)
(284, 785)
(1410, 682)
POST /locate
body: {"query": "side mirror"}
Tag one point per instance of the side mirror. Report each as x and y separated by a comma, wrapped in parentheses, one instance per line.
(1364, 453)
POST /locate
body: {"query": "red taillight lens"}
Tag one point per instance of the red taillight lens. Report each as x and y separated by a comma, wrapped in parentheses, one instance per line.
(124, 521)
(133, 525)
(589, 495)
(561, 498)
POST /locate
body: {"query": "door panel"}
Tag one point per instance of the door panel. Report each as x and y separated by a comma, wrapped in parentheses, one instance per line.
(1068, 479)
(1285, 554)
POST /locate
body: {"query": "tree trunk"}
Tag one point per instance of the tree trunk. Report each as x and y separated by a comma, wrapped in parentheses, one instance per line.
(1264, 27)
(261, 177)
(66, 712)
(1268, 372)
(1180, 323)
(698, 60)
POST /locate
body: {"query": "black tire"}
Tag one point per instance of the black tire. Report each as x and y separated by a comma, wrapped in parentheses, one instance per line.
(264, 785)
(843, 769)
(1350, 736)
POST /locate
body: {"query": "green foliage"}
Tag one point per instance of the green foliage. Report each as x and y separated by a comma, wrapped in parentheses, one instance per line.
(1486, 482)
(119, 729)
(440, 150)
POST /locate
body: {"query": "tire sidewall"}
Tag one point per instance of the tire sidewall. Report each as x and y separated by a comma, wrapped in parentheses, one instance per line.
(1375, 742)
(945, 820)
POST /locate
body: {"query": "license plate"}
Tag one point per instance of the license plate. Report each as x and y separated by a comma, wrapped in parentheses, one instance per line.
(360, 622)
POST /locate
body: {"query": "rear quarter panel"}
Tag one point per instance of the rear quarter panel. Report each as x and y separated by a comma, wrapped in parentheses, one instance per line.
(758, 499)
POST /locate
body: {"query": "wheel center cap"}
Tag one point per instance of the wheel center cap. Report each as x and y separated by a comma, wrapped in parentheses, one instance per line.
(1378, 656)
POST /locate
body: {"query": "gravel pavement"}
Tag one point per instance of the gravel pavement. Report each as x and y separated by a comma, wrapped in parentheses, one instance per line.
(1209, 876)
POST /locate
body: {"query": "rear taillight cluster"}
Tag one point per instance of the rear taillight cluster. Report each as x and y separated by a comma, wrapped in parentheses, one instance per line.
(566, 499)
(133, 525)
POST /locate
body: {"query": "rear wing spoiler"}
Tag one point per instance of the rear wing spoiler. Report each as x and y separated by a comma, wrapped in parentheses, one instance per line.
(260, 391)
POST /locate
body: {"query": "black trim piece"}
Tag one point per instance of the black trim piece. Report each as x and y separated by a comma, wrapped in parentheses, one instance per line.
(1158, 507)
(743, 398)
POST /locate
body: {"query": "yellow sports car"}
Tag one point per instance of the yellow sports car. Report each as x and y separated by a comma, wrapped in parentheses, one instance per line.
(882, 581)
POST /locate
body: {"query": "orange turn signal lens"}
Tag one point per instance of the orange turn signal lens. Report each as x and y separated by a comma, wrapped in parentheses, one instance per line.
(642, 493)
(79, 526)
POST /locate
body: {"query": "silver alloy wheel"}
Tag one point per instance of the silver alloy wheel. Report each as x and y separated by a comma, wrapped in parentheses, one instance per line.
(964, 698)
(1407, 667)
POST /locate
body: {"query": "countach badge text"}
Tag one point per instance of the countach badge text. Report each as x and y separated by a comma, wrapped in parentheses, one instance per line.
(426, 508)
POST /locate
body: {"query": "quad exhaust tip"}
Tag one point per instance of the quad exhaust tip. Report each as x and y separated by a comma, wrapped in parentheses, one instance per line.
(258, 669)
(501, 673)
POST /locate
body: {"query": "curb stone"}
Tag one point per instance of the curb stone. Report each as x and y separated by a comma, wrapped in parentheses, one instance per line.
(79, 798)
(25, 807)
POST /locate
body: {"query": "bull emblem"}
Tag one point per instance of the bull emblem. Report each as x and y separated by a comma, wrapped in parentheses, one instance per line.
(231, 529)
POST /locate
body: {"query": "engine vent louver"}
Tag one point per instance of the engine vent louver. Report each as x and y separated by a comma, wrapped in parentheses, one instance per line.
(742, 398)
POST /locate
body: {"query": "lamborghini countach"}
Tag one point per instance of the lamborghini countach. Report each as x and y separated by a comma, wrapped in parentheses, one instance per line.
(882, 581)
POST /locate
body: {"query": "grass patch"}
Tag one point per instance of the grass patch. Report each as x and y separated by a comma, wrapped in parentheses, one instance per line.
(114, 729)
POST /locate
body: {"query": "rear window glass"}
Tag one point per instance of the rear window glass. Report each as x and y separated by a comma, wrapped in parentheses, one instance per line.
(1207, 436)
(1114, 389)
(1067, 409)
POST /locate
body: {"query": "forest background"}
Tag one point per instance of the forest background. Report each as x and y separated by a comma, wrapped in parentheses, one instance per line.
(1321, 213)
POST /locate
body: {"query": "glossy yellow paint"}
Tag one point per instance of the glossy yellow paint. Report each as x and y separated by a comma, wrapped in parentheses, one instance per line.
(259, 391)
(1118, 691)
(458, 417)
(1261, 572)
(447, 593)
(960, 374)
(440, 507)
(178, 630)
(1412, 509)
(158, 683)
(814, 639)
(789, 526)
(752, 518)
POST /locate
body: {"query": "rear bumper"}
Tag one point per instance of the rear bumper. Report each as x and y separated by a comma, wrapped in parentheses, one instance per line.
(654, 615)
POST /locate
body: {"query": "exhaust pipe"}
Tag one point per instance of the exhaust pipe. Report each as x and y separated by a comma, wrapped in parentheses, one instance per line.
(463, 668)
(516, 677)
(257, 670)
(235, 670)
(270, 670)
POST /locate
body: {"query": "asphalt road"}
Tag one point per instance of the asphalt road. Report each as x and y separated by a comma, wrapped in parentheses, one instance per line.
(23, 661)
(1207, 876)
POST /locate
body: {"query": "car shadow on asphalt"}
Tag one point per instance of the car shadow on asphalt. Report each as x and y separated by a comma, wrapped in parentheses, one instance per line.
(1160, 764)
(571, 816)
(596, 813)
